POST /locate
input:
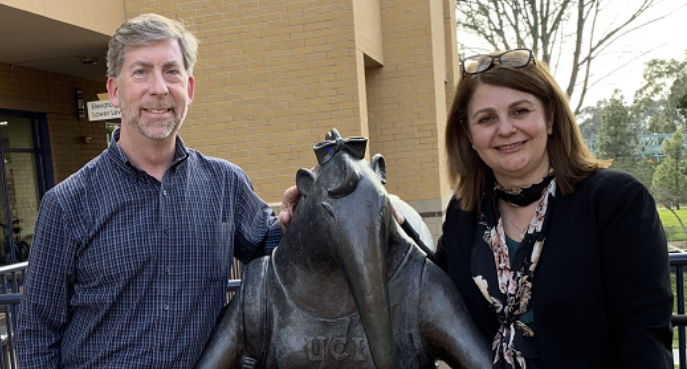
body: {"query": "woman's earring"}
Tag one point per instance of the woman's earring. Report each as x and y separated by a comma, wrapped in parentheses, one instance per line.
(550, 130)
(473, 147)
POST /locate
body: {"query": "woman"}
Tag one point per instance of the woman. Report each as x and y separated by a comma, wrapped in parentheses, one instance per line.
(561, 262)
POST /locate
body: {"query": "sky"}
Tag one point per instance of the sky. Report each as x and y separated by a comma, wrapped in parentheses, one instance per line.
(623, 62)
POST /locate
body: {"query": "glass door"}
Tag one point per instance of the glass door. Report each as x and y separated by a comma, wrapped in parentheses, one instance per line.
(24, 181)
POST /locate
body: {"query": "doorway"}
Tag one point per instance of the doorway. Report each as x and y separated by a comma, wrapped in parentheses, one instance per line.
(25, 175)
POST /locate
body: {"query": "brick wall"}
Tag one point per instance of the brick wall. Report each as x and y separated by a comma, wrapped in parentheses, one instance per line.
(273, 77)
(407, 102)
(368, 29)
(402, 100)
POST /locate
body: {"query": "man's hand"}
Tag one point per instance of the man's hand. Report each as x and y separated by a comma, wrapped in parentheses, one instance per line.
(288, 206)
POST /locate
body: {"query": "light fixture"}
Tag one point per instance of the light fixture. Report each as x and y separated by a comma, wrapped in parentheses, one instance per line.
(80, 109)
(4, 123)
(89, 60)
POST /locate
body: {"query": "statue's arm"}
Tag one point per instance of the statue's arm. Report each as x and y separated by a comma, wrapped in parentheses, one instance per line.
(447, 328)
(412, 233)
(222, 351)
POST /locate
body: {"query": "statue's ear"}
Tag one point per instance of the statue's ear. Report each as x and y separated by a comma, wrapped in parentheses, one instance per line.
(379, 167)
(304, 181)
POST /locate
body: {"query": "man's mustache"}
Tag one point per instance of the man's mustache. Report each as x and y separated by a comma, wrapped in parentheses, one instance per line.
(158, 105)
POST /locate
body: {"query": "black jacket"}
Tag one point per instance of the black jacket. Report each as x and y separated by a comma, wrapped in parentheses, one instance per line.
(601, 292)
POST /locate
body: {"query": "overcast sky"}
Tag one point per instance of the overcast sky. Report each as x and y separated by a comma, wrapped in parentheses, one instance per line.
(624, 61)
(665, 39)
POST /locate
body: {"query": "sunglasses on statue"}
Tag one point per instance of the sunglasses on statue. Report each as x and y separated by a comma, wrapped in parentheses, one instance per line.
(326, 150)
(516, 58)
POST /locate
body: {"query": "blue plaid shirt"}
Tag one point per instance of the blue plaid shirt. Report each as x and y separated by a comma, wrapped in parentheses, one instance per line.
(129, 272)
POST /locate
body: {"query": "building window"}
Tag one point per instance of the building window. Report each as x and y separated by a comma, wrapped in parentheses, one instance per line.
(24, 178)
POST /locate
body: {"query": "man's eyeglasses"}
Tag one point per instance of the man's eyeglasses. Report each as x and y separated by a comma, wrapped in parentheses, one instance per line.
(516, 58)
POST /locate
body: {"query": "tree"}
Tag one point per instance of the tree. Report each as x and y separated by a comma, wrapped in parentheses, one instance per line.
(662, 101)
(645, 169)
(618, 137)
(543, 26)
(589, 119)
(670, 183)
(682, 105)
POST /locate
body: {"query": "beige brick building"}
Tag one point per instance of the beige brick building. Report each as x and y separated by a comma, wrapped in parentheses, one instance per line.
(273, 77)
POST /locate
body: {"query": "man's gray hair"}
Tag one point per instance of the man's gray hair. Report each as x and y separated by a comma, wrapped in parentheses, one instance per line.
(148, 29)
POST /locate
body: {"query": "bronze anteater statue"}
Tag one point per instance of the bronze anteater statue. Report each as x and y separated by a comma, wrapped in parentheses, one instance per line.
(346, 288)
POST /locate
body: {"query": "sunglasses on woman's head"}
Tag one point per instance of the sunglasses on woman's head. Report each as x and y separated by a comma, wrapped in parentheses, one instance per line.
(516, 58)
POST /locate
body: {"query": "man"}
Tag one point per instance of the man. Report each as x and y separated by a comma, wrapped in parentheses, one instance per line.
(131, 254)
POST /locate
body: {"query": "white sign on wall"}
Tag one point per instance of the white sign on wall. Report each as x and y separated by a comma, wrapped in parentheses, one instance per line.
(102, 110)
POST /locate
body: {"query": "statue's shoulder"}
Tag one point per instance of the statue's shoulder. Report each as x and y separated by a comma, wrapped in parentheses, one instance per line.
(253, 283)
(408, 274)
(255, 267)
(255, 308)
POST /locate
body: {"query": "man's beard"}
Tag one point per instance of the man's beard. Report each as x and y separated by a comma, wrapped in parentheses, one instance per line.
(155, 129)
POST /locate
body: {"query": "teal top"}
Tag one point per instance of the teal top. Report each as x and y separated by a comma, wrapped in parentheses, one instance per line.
(528, 316)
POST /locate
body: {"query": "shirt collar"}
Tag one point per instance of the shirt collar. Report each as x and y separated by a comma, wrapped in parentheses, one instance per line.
(181, 153)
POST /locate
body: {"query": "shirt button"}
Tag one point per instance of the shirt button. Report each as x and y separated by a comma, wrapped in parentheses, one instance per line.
(166, 307)
(167, 230)
(166, 269)
(164, 192)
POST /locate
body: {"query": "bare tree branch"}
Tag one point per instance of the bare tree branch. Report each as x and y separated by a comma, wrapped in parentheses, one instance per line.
(578, 46)
(543, 26)
(588, 63)
(610, 35)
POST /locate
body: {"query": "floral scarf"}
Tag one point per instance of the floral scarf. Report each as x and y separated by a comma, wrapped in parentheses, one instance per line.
(509, 290)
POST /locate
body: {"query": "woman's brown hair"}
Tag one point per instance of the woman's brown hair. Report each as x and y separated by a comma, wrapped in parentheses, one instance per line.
(570, 159)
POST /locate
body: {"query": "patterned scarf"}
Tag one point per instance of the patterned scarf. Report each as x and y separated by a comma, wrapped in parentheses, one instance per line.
(509, 290)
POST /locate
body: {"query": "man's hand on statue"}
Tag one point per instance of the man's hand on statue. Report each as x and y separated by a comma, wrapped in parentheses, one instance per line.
(288, 206)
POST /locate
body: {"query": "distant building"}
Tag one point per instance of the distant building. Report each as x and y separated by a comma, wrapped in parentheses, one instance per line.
(649, 144)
